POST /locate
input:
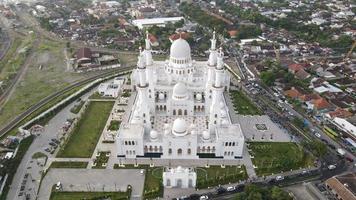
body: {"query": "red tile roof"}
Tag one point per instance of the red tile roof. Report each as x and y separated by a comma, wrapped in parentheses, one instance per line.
(292, 93)
(340, 113)
(320, 103)
(295, 67)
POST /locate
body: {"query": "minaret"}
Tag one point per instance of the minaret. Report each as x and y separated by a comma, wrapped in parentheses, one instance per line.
(212, 60)
(148, 53)
(142, 88)
(218, 89)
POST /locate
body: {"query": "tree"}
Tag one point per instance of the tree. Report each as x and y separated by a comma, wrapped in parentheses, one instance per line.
(278, 194)
(268, 78)
(319, 148)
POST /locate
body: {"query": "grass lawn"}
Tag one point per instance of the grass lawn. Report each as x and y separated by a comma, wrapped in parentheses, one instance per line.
(243, 105)
(275, 157)
(60, 164)
(85, 135)
(88, 195)
(215, 175)
(37, 83)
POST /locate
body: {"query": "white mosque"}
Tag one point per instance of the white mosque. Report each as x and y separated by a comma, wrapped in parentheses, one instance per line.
(179, 109)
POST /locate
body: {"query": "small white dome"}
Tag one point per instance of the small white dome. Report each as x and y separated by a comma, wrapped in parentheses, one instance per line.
(153, 134)
(180, 91)
(206, 135)
(222, 105)
(199, 97)
(161, 96)
(180, 49)
(179, 127)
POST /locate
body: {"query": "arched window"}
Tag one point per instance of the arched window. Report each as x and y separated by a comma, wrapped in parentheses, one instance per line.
(174, 112)
(189, 151)
(129, 142)
(126, 143)
(233, 144)
(179, 112)
(185, 112)
(179, 152)
(170, 151)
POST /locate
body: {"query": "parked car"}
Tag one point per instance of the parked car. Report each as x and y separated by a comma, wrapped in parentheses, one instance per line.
(317, 135)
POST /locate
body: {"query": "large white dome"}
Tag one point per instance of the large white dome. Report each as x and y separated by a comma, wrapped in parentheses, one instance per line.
(180, 49)
(180, 91)
(179, 127)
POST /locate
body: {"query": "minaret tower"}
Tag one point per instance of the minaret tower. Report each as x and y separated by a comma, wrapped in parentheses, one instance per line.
(212, 60)
(142, 88)
(148, 53)
(217, 89)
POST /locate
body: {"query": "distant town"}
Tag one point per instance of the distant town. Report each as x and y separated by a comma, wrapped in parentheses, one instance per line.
(177, 99)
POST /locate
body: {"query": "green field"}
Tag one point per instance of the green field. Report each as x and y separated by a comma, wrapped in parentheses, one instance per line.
(216, 175)
(275, 157)
(85, 135)
(243, 105)
(62, 164)
(88, 195)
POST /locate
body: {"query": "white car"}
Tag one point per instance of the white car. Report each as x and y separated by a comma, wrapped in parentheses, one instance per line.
(279, 178)
(317, 135)
(204, 197)
(231, 188)
(142, 172)
(58, 186)
(331, 167)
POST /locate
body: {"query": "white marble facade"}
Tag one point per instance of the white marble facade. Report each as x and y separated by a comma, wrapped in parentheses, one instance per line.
(179, 111)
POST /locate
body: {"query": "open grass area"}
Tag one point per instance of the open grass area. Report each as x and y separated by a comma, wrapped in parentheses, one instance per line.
(153, 186)
(275, 157)
(38, 82)
(216, 175)
(243, 105)
(62, 164)
(85, 135)
(89, 195)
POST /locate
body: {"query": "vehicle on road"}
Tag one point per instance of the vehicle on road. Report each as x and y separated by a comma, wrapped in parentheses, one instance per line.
(142, 172)
(220, 190)
(230, 189)
(240, 188)
(348, 158)
(279, 178)
(204, 197)
(317, 135)
(341, 151)
(331, 167)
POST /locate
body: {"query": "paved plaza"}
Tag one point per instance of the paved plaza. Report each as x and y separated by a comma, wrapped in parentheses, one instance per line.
(262, 129)
(98, 180)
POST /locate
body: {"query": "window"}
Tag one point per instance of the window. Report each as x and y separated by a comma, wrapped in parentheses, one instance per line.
(189, 151)
(170, 151)
(126, 143)
(179, 152)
